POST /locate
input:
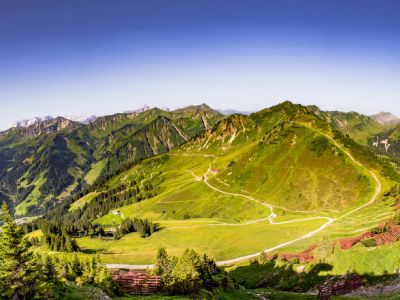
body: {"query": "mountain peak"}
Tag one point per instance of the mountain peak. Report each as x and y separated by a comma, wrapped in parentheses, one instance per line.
(204, 108)
(386, 118)
(31, 121)
(38, 126)
(51, 125)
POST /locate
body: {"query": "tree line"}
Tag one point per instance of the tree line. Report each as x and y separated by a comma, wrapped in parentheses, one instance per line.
(144, 227)
(56, 242)
(61, 225)
(26, 275)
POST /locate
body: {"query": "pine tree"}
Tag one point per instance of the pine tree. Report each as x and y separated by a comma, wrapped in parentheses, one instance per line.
(49, 270)
(103, 279)
(19, 269)
(262, 258)
(77, 266)
(163, 264)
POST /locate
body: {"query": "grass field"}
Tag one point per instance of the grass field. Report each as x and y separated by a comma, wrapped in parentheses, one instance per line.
(31, 199)
(82, 201)
(95, 171)
(218, 241)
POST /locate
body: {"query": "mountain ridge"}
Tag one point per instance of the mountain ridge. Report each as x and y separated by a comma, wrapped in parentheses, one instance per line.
(78, 154)
(44, 162)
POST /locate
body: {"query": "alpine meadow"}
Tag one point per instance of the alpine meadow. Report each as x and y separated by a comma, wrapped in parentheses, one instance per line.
(245, 196)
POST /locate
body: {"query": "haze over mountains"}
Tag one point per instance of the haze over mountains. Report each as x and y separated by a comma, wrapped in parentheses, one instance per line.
(36, 120)
(383, 118)
(89, 119)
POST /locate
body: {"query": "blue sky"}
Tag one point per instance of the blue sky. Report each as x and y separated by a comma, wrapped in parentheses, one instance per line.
(101, 57)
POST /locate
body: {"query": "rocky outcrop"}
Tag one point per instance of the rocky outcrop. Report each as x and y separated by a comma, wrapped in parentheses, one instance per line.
(53, 125)
(42, 127)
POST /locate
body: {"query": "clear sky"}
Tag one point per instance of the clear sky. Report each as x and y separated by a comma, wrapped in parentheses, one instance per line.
(100, 57)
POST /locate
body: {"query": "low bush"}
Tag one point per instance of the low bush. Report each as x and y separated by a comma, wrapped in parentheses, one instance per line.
(369, 243)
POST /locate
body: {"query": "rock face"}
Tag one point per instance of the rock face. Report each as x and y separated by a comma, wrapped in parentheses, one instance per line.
(387, 142)
(53, 125)
(40, 126)
(386, 118)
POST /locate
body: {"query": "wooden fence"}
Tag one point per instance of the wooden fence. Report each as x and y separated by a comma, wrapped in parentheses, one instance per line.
(137, 282)
(339, 286)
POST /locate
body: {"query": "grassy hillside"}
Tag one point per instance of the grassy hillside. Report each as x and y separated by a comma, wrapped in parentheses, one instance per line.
(280, 177)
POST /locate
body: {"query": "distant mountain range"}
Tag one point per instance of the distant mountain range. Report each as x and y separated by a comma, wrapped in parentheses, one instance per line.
(383, 118)
(89, 119)
(37, 120)
(43, 160)
(228, 112)
(76, 118)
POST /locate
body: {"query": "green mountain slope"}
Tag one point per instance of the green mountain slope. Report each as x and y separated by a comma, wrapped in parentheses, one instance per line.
(46, 162)
(247, 184)
(359, 127)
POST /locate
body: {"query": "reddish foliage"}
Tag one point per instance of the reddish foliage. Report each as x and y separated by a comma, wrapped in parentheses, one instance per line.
(390, 236)
(303, 257)
(347, 243)
(311, 248)
(272, 256)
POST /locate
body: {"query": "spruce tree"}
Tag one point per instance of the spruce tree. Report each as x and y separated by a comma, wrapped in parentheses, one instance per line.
(19, 269)
(103, 279)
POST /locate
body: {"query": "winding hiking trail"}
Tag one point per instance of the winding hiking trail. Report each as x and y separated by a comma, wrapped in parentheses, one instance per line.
(272, 215)
(271, 221)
